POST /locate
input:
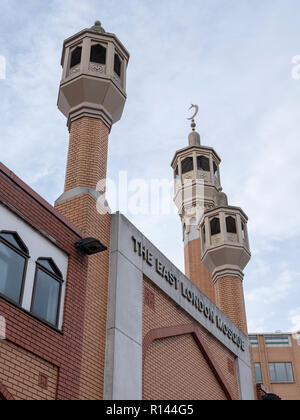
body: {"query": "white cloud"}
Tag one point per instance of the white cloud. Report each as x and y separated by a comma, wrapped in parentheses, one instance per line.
(274, 289)
(271, 190)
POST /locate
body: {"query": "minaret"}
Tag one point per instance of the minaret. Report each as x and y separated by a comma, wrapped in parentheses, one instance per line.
(226, 252)
(197, 181)
(215, 234)
(92, 96)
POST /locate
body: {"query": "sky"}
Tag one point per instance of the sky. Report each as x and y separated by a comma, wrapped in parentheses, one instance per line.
(236, 59)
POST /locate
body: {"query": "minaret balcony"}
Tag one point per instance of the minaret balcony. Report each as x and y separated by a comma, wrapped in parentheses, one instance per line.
(225, 241)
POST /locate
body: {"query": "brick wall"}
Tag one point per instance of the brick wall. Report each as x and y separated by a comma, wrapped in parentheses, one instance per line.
(27, 376)
(81, 211)
(35, 339)
(230, 299)
(87, 157)
(196, 271)
(87, 164)
(174, 368)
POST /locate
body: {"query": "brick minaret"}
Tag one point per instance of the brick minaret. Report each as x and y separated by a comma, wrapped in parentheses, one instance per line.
(197, 180)
(214, 233)
(92, 96)
(226, 253)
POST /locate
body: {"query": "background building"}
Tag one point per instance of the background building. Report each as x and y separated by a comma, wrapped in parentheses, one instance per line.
(276, 360)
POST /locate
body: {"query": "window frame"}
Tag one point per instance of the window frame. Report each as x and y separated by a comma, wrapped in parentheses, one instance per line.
(258, 365)
(26, 257)
(55, 277)
(283, 340)
(285, 365)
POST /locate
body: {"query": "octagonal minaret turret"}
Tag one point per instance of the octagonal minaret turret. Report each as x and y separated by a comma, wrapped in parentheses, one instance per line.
(197, 182)
(216, 243)
(92, 96)
(94, 76)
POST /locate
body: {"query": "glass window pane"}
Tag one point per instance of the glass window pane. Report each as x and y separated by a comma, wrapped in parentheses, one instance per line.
(49, 267)
(289, 369)
(258, 373)
(281, 372)
(12, 267)
(272, 372)
(46, 297)
(11, 239)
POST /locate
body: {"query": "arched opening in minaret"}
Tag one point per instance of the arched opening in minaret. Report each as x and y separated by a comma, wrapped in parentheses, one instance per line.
(76, 57)
(98, 54)
(203, 237)
(187, 165)
(231, 225)
(215, 226)
(203, 163)
(118, 65)
(243, 231)
(216, 171)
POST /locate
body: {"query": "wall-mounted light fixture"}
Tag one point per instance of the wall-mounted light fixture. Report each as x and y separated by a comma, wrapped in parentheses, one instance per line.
(90, 246)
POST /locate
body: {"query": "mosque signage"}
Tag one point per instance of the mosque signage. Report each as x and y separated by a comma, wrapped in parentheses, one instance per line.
(191, 297)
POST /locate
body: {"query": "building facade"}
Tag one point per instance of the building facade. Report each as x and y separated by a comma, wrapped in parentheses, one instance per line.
(93, 310)
(276, 359)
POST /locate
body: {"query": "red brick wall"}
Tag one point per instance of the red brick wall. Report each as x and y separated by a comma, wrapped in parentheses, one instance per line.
(87, 163)
(173, 366)
(35, 340)
(196, 271)
(27, 377)
(230, 299)
(82, 212)
(87, 157)
(180, 373)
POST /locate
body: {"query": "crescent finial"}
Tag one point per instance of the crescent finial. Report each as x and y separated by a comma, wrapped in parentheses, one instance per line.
(193, 125)
(196, 113)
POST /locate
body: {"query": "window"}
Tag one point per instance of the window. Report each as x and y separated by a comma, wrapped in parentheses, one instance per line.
(231, 224)
(203, 163)
(13, 263)
(204, 235)
(187, 165)
(76, 57)
(98, 54)
(243, 231)
(176, 173)
(215, 170)
(278, 341)
(47, 291)
(117, 65)
(253, 340)
(281, 372)
(215, 227)
(258, 375)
